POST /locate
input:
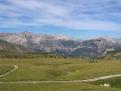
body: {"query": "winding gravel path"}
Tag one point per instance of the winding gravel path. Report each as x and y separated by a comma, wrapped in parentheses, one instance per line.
(15, 67)
(73, 81)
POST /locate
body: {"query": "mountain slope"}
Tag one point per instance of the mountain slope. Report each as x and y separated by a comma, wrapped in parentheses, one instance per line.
(9, 49)
(115, 53)
(96, 47)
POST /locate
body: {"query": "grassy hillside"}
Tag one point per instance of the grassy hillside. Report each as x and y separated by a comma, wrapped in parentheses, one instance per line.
(8, 49)
(4, 69)
(44, 69)
(114, 82)
(59, 69)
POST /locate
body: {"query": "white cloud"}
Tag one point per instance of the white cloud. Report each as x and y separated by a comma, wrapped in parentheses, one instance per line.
(72, 14)
(83, 25)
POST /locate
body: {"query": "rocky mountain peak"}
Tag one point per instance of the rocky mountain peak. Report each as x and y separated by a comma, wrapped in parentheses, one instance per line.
(106, 38)
(27, 35)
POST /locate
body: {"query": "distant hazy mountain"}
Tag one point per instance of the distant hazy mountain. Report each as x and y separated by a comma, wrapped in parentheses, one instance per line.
(62, 44)
(41, 42)
(96, 47)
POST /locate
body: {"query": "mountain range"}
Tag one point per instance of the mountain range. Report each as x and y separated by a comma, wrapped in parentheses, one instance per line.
(61, 44)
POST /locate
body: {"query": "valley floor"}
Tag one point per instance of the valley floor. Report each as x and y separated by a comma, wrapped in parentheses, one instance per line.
(42, 70)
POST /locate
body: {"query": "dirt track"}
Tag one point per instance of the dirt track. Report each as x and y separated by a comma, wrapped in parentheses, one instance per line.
(72, 81)
(4, 74)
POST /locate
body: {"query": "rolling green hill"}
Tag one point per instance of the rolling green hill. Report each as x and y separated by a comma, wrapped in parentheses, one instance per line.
(8, 49)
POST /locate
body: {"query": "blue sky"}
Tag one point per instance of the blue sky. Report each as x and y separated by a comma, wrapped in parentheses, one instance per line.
(76, 18)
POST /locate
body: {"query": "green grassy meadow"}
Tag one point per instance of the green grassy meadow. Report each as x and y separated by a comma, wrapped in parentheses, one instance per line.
(114, 82)
(4, 69)
(52, 69)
